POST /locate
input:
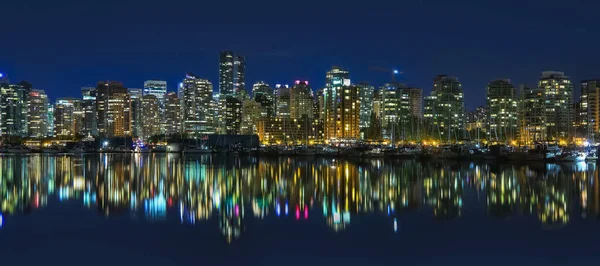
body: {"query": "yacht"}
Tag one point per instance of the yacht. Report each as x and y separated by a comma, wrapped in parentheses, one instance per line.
(305, 151)
(572, 157)
(197, 150)
(374, 153)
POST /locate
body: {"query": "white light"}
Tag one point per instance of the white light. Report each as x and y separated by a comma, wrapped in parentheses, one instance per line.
(1, 75)
(395, 71)
(586, 143)
(105, 143)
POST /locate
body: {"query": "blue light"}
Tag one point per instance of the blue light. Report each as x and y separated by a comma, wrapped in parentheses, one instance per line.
(1, 75)
(286, 209)
(395, 71)
(1, 217)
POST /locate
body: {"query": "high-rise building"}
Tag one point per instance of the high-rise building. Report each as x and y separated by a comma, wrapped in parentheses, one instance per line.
(558, 92)
(150, 116)
(444, 109)
(590, 107)
(172, 114)
(401, 110)
(252, 112)
(301, 101)
(88, 108)
(476, 123)
(503, 107)
(50, 120)
(365, 92)
(533, 115)
(282, 100)
(263, 94)
(65, 124)
(226, 74)
(113, 109)
(136, 111)
(157, 88)
(233, 116)
(13, 109)
(196, 95)
(37, 117)
(413, 98)
(341, 104)
(239, 82)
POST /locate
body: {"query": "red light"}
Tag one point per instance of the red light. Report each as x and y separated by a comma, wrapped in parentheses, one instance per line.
(170, 202)
(237, 210)
(297, 213)
(305, 212)
(297, 82)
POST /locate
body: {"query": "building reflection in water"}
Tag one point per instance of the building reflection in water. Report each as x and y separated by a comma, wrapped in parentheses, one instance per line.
(233, 190)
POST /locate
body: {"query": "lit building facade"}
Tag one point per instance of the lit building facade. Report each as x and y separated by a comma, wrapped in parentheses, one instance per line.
(65, 124)
(533, 113)
(558, 92)
(13, 110)
(503, 105)
(37, 117)
(150, 116)
(50, 120)
(88, 107)
(233, 116)
(366, 93)
(113, 109)
(157, 88)
(590, 107)
(301, 100)
(341, 106)
(252, 112)
(288, 131)
(282, 100)
(263, 94)
(136, 111)
(444, 109)
(196, 99)
(172, 114)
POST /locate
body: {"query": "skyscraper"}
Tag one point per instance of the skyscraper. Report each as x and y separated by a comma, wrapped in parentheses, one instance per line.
(157, 88)
(13, 109)
(65, 124)
(558, 92)
(88, 107)
(226, 74)
(251, 114)
(150, 116)
(444, 109)
(590, 107)
(136, 111)
(533, 115)
(233, 116)
(37, 117)
(113, 109)
(263, 94)
(365, 92)
(172, 114)
(239, 68)
(502, 103)
(282, 100)
(196, 103)
(341, 106)
(50, 120)
(301, 101)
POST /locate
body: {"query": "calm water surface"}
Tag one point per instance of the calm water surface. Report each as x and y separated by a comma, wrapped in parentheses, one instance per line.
(175, 210)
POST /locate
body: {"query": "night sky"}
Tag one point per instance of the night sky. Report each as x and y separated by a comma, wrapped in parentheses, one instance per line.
(60, 46)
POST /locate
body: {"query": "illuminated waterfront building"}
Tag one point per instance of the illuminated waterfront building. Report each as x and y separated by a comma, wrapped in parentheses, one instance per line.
(37, 117)
(288, 131)
(233, 116)
(88, 107)
(157, 88)
(172, 114)
(444, 109)
(590, 107)
(13, 109)
(263, 94)
(50, 120)
(196, 95)
(66, 121)
(136, 111)
(533, 115)
(476, 123)
(341, 106)
(150, 116)
(251, 112)
(558, 91)
(282, 101)
(502, 104)
(365, 92)
(301, 100)
(113, 109)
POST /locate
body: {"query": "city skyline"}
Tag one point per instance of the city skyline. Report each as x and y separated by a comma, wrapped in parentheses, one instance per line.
(74, 55)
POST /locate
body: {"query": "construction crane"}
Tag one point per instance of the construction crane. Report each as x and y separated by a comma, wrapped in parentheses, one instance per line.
(393, 71)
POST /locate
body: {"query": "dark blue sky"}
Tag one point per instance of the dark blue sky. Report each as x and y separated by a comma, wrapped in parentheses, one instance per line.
(60, 46)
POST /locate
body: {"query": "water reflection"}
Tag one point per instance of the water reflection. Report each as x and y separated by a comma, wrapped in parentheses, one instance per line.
(233, 190)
